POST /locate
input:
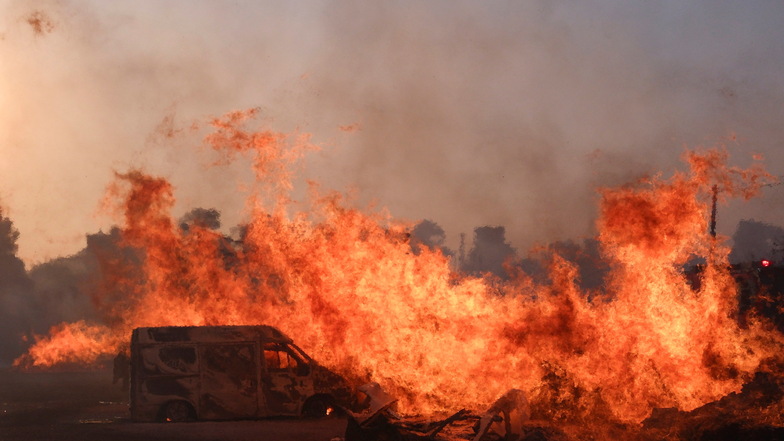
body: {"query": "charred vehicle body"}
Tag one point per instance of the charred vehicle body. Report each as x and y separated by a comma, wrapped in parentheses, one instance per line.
(227, 372)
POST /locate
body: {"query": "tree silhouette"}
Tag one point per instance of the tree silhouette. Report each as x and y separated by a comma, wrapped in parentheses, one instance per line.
(16, 302)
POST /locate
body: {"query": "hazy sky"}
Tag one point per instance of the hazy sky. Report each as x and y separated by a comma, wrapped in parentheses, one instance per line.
(471, 113)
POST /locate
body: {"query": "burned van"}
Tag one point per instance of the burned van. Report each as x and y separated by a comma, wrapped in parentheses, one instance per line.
(226, 372)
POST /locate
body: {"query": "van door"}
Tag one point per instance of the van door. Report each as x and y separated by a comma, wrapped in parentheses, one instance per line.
(228, 381)
(286, 382)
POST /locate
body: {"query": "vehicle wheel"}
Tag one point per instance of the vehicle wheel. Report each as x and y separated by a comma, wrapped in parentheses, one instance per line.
(177, 412)
(317, 407)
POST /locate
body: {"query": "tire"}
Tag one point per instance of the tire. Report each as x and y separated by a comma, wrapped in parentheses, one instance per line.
(177, 412)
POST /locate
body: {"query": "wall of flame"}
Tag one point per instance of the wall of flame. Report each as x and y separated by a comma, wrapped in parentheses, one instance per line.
(345, 284)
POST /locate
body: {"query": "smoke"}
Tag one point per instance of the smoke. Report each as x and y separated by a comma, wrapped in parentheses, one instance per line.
(754, 240)
(60, 290)
(467, 113)
(516, 112)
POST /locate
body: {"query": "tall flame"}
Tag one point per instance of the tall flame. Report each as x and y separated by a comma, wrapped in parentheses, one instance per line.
(346, 286)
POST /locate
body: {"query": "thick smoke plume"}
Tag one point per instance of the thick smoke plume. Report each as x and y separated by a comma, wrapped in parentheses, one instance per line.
(756, 240)
(466, 113)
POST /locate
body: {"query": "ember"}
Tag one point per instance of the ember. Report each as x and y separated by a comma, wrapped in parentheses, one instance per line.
(347, 284)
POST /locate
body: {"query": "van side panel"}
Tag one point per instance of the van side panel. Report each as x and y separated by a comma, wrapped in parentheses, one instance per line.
(229, 386)
(224, 372)
(160, 374)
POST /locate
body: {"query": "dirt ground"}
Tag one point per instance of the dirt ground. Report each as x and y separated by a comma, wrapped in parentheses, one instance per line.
(86, 406)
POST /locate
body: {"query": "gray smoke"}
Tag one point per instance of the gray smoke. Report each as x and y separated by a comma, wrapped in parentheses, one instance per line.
(467, 113)
(754, 240)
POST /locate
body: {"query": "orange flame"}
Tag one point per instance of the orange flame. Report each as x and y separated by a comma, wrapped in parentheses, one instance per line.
(73, 343)
(346, 286)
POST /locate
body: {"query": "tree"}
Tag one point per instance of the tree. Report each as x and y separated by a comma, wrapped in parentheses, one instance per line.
(489, 252)
(16, 303)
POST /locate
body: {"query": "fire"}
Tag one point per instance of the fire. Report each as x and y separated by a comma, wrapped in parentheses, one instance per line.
(74, 343)
(346, 286)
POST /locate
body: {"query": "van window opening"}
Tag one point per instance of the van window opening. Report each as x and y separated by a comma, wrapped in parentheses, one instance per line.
(279, 358)
(302, 355)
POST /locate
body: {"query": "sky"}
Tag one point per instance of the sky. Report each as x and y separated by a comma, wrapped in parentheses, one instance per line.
(467, 113)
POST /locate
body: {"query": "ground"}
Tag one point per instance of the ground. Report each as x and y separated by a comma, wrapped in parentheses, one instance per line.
(86, 406)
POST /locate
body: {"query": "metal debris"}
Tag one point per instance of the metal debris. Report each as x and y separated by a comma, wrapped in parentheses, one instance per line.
(502, 421)
(505, 417)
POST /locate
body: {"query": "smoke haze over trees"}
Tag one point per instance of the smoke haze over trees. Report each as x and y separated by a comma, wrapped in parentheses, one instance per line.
(755, 240)
(467, 113)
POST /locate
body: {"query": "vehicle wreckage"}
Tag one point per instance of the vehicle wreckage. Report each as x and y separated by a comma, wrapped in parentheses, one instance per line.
(227, 372)
(240, 372)
(748, 415)
(501, 421)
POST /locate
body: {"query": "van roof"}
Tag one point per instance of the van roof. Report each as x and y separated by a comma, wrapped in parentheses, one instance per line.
(170, 334)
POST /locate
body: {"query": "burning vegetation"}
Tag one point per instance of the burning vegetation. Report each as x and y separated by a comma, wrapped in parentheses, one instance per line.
(349, 287)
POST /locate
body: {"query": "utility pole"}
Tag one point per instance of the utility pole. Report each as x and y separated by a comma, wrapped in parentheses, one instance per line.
(713, 211)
